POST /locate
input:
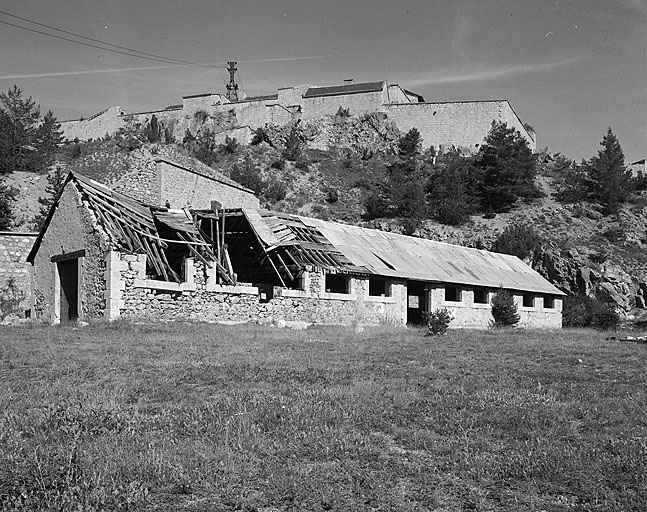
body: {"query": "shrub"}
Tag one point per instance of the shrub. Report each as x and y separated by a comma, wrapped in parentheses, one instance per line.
(332, 196)
(519, 240)
(582, 311)
(248, 175)
(275, 191)
(201, 116)
(260, 135)
(153, 131)
(438, 321)
(342, 113)
(504, 309)
(230, 146)
(279, 163)
(292, 151)
(11, 296)
(302, 164)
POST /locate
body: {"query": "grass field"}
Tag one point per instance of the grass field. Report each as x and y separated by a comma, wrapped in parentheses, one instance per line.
(194, 417)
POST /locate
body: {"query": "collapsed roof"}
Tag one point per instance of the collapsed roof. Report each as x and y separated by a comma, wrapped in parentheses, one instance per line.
(269, 247)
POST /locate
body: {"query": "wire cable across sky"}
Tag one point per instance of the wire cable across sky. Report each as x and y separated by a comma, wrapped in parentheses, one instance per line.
(123, 50)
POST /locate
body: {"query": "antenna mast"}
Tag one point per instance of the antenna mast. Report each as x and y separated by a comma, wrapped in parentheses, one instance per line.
(232, 86)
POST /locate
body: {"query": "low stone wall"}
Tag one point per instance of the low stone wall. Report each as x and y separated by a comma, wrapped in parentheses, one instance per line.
(130, 295)
(14, 248)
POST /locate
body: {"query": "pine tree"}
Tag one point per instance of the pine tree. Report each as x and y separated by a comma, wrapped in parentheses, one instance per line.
(27, 143)
(509, 168)
(610, 181)
(409, 145)
(452, 189)
(55, 182)
(504, 309)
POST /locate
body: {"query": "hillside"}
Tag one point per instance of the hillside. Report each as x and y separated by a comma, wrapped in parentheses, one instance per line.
(340, 159)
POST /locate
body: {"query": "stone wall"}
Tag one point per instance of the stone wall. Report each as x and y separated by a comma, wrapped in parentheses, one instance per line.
(143, 185)
(95, 127)
(73, 228)
(182, 187)
(467, 313)
(200, 298)
(14, 248)
(462, 124)
(358, 103)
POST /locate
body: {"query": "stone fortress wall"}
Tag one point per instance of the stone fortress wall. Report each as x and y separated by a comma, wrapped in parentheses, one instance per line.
(461, 124)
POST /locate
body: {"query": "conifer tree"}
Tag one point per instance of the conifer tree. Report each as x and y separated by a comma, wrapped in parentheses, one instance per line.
(610, 181)
(504, 309)
(55, 182)
(508, 166)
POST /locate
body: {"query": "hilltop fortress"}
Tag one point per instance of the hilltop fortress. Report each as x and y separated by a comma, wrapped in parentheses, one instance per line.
(462, 124)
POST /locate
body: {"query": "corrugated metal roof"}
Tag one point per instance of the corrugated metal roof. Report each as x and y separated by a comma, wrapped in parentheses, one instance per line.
(394, 255)
(335, 90)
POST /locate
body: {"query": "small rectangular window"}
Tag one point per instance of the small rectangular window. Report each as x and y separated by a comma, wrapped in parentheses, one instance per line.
(528, 301)
(480, 296)
(378, 288)
(452, 294)
(337, 283)
(549, 302)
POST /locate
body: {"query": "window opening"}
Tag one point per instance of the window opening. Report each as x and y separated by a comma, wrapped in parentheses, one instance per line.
(452, 294)
(481, 296)
(337, 283)
(378, 288)
(528, 301)
(549, 302)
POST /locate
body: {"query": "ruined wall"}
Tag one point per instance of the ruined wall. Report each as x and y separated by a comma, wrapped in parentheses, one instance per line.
(199, 298)
(72, 228)
(182, 187)
(468, 314)
(358, 103)
(462, 124)
(14, 248)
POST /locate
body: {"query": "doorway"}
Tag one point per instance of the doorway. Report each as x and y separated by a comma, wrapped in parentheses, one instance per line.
(68, 274)
(416, 302)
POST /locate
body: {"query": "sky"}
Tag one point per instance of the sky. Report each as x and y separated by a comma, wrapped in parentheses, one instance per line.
(569, 68)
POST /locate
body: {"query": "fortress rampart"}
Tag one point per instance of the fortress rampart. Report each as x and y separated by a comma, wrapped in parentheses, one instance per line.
(461, 124)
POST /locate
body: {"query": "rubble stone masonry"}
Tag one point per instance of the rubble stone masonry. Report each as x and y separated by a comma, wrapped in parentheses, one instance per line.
(14, 248)
(130, 295)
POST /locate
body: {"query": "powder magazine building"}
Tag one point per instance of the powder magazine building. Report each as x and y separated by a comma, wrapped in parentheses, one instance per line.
(104, 255)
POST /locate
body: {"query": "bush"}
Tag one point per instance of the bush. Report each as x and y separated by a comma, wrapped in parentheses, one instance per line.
(519, 240)
(438, 321)
(332, 196)
(248, 175)
(582, 311)
(260, 135)
(275, 191)
(292, 151)
(11, 296)
(279, 163)
(230, 146)
(504, 309)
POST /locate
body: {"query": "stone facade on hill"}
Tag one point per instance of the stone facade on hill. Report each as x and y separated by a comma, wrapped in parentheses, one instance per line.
(462, 124)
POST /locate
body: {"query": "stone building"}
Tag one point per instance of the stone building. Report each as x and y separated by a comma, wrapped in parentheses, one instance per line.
(463, 124)
(14, 248)
(102, 254)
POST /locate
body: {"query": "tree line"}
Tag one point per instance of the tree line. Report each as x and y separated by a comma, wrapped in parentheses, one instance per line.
(450, 186)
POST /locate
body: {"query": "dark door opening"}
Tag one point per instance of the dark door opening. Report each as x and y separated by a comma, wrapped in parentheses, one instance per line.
(416, 302)
(68, 274)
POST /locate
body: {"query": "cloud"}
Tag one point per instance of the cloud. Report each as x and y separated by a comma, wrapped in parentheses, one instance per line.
(476, 74)
(84, 72)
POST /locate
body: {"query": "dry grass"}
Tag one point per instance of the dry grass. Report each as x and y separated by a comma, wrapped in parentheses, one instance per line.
(196, 417)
